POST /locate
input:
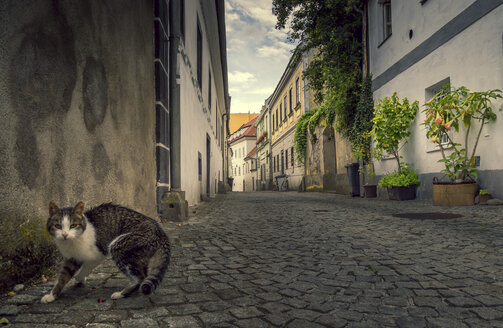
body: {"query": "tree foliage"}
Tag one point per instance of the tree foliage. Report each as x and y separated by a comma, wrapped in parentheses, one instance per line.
(332, 29)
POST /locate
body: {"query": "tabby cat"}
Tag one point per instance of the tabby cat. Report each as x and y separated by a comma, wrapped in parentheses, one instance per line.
(136, 243)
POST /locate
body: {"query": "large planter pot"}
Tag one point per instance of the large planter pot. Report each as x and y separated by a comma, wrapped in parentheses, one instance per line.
(454, 194)
(370, 191)
(402, 193)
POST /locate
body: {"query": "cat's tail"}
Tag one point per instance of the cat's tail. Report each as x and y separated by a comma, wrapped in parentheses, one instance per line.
(157, 266)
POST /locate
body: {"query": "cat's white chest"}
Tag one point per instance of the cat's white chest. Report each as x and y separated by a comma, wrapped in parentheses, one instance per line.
(83, 248)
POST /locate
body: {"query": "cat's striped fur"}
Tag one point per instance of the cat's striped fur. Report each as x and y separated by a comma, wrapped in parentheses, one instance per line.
(136, 243)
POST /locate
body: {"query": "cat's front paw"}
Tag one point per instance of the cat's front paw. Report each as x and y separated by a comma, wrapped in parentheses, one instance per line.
(117, 295)
(48, 298)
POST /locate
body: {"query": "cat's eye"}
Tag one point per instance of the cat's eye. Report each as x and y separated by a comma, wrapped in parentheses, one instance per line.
(73, 226)
(57, 226)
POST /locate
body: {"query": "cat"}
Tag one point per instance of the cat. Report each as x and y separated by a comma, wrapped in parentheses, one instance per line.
(137, 244)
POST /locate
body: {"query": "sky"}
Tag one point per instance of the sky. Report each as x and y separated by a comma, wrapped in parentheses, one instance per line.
(257, 53)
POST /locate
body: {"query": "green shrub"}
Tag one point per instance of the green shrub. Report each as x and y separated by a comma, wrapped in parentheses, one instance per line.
(406, 177)
(26, 250)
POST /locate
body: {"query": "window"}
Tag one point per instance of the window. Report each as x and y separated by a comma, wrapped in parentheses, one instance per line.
(386, 18)
(274, 164)
(209, 89)
(277, 119)
(286, 158)
(199, 55)
(273, 122)
(290, 100)
(284, 102)
(239, 170)
(280, 114)
(297, 92)
(199, 166)
(291, 154)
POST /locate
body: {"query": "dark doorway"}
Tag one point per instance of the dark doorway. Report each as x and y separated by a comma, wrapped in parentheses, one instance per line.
(208, 161)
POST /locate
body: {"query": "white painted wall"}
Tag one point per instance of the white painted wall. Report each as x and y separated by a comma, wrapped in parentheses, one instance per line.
(240, 148)
(473, 58)
(197, 120)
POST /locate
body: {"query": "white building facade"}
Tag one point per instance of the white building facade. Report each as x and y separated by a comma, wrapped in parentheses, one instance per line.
(199, 98)
(415, 47)
(241, 143)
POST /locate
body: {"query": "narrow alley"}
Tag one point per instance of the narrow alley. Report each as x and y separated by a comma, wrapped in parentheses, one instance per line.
(293, 259)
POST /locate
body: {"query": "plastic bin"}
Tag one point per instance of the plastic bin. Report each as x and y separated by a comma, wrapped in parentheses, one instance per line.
(354, 179)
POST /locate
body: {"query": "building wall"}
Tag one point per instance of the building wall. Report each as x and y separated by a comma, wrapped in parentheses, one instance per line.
(77, 110)
(240, 149)
(238, 119)
(199, 116)
(282, 135)
(263, 173)
(472, 57)
(250, 174)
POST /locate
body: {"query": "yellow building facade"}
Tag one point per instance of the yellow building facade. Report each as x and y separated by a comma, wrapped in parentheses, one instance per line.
(288, 102)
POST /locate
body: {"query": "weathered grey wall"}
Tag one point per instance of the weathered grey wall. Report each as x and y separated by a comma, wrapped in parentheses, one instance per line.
(77, 118)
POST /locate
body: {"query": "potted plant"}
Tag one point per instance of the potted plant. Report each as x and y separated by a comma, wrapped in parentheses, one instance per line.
(401, 185)
(450, 110)
(484, 196)
(392, 118)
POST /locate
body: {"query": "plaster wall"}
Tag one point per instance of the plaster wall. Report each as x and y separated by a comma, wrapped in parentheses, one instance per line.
(199, 116)
(263, 150)
(240, 149)
(473, 58)
(424, 20)
(295, 172)
(77, 116)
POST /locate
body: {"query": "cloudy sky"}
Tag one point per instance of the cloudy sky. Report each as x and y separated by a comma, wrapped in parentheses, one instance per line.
(257, 53)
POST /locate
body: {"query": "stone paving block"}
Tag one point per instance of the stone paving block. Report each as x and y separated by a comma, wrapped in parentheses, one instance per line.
(300, 323)
(80, 318)
(180, 322)
(245, 312)
(112, 316)
(11, 309)
(252, 323)
(139, 323)
(445, 323)
(228, 294)
(23, 299)
(214, 318)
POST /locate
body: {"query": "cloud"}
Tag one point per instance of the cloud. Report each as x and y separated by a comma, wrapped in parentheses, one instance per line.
(257, 53)
(241, 77)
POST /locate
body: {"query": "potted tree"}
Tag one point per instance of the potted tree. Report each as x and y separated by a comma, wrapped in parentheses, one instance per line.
(450, 110)
(392, 118)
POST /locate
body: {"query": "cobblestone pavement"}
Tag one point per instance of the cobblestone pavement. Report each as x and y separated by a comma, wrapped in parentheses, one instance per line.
(302, 260)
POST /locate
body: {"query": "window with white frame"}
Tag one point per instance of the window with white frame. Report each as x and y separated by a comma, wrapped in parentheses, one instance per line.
(297, 92)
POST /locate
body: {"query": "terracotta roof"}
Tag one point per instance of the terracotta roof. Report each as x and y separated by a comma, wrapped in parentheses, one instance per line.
(250, 132)
(252, 152)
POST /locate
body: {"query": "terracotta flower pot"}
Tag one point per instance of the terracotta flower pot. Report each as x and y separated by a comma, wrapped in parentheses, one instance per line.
(454, 194)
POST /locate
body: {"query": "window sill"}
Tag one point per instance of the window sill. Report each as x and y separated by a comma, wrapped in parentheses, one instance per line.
(290, 114)
(297, 107)
(382, 42)
(437, 148)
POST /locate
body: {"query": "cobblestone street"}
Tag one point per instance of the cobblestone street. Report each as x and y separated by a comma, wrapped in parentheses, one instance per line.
(301, 260)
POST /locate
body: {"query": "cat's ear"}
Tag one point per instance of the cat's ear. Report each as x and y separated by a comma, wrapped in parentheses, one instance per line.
(79, 208)
(53, 209)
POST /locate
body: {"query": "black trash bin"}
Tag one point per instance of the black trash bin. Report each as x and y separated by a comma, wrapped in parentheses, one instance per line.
(230, 181)
(354, 178)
